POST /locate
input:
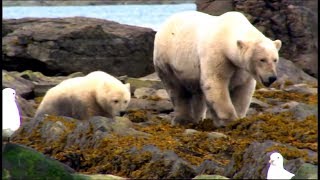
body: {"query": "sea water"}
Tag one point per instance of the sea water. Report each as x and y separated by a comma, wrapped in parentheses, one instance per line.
(151, 16)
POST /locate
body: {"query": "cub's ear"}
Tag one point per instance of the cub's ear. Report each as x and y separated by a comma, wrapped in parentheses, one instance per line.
(128, 85)
(278, 44)
(241, 44)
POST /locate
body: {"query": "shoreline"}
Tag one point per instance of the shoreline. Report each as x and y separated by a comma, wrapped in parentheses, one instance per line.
(8, 3)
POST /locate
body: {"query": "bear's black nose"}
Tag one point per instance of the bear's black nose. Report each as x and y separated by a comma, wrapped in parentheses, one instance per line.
(272, 79)
(122, 113)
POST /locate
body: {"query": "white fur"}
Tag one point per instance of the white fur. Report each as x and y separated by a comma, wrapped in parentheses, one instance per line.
(97, 94)
(223, 53)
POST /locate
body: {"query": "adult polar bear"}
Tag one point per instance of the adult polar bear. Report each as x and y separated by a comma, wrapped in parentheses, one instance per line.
(213, 62)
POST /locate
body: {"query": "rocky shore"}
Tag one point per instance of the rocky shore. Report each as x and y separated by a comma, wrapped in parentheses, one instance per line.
(40, 53)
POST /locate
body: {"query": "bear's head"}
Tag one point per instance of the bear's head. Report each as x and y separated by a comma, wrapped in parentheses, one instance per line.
(261, 59)
(114, 99)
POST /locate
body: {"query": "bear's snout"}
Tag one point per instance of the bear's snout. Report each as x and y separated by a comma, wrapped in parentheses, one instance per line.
(271, 79)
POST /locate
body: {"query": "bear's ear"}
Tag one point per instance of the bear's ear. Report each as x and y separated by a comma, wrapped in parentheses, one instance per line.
(278, 44)
(241, 44)
(128, 86)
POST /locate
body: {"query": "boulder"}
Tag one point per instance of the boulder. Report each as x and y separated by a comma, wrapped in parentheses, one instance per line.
(255, 160)
(21, 162)
(67, 45)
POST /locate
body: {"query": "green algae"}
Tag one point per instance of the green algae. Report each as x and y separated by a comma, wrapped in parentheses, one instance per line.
(29, 164)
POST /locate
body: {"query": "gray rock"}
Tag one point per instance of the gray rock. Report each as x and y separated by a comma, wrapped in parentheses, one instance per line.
(216, 135)
(145, 104)
(204, 176)
(67, 45)
(215, 8)
(302, 88)
(257, 104)
(22, 86)
(209, 167)
(167, 165)
(100, 128)
(307, 171)
(288, 71)
(255, 161)
(300, 110)
(144, 92)
(79, 176)
(162, 93)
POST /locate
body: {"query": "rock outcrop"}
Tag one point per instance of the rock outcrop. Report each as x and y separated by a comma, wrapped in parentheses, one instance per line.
(79, 44)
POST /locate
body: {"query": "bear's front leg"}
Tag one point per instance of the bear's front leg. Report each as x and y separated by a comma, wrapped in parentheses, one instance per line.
(241, 97)
(215, 78)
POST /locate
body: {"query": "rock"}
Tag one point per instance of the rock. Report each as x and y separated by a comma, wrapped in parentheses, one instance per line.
(162, 94)
(100, 128)
(136, 83)
(79, 176)
(161, 106)
(289, 72)
(299, 110)
(307, 171)
(143, 92)
(302, 88)
(209, 167)
(188, 132)
(257, 104)
(22, 86)
(203, 176)
(255, 160)
(77, 44)
(43, 83)
(21, 162)
(167, 165)
(214, 7)
(216, 135)
(150, 93)
(27, 108)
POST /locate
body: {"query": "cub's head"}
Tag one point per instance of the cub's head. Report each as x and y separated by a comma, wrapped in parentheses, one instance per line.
(114, 99)
(261, 59)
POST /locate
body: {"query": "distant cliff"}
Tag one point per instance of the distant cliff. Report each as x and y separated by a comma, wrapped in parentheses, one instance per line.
(88, 2)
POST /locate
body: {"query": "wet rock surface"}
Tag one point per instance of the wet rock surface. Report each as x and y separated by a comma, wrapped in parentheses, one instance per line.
(79, 44)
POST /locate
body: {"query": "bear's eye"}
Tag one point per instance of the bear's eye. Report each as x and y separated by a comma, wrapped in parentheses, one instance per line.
(275, 60)
(115, 101)
(262, 60)
(125, 101)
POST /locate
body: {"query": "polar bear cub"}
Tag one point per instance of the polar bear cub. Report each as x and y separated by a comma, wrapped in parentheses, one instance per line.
(213, 62)
(97, 94)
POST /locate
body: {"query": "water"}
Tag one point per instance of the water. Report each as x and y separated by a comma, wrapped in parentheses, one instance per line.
(151, 16)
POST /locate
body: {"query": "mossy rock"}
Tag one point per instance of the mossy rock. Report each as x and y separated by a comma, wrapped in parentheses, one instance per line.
(136, 83)
(95, 177)
(21, 162)
(203, 176)
(307, 171)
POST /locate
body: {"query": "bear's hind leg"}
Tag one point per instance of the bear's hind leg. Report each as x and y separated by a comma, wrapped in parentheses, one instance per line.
(198, 107)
